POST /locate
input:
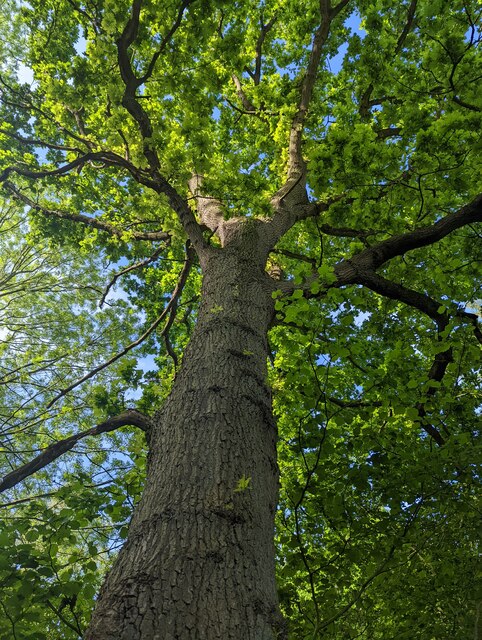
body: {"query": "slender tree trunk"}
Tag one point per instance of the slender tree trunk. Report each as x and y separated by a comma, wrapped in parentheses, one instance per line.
(198, 563)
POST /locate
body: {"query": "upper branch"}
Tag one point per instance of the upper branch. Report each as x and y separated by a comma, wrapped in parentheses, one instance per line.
(80, 161)
(365, 101)
(51, 453)
(408, 25)
(296, 164)
(290, 202)
(265, 28)
(39, 143)
(210, 209)
(395, 291)
(130, 101)
(165, 41)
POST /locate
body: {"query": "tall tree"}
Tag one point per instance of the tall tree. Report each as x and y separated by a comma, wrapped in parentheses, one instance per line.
(289, 196)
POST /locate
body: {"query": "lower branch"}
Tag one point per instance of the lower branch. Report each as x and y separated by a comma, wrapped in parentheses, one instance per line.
(130, 417)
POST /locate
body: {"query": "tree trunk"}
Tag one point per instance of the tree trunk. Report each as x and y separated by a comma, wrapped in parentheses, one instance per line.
(198, 563)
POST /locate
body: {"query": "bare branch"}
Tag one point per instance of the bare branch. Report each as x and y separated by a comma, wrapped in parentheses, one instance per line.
(52, 452)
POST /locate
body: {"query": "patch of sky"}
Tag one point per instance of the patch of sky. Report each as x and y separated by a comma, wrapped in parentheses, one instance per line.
(354, 23)
(335, 63)
(361, 317)
(25, 74)
(81, 44)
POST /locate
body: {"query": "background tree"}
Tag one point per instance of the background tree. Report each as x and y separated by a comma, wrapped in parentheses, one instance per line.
(242, 237)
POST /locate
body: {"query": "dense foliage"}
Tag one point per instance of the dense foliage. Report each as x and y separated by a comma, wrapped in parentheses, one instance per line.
(376, 385)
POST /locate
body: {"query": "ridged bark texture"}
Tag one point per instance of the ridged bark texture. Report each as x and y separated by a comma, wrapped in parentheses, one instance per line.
(198, 563)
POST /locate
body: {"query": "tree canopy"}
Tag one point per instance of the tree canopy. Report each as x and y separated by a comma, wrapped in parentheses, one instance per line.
(144, 119)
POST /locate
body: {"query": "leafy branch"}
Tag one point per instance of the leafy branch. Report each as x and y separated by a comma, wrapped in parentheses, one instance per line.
(93, 223)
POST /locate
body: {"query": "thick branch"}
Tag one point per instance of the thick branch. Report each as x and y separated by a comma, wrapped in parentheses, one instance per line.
(210, 209)
(408, 25)
(296, 164)
(248, 106)
(265, 28)
(286, 215)
(474, 320)
(293, 191)
(395, 291)
(429, 307)
(436, 373)
(51, 453)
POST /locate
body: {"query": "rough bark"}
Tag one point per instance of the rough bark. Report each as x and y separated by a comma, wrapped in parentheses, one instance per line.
(198, 563)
